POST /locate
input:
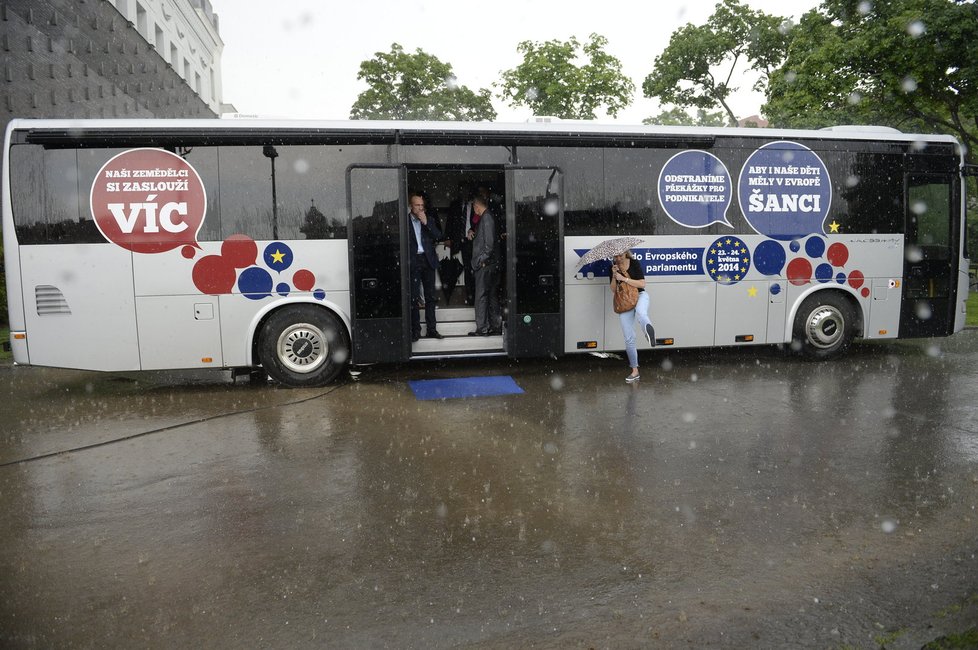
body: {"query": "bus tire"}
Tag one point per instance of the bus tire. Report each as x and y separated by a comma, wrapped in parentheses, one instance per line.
(825, 326)
(303, 345)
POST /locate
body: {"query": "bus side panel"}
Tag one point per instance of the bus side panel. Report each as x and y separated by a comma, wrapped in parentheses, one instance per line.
(584, 299)
(682, 311)
(179, 332)
(741, 312)
(79, 306)
(179, 327)
(884, 309)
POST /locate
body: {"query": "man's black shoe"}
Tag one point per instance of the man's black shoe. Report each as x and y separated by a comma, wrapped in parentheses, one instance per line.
(479, 333)
(433, 334)
(496, 331)
(415, 338)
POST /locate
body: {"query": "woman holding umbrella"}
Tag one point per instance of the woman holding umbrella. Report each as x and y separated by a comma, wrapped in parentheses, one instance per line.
(624, 269)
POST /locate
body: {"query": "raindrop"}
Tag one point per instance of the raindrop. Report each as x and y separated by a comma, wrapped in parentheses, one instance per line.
(557, 382)
(451, 82)
(441, 511)
(888, 526)
(855, 98)
(667, 364)
(689, 418)
(864, 7)
(692, 445)
(551, 208)
(550, 448)
(852, 180)
(914, 254)
(918, 207)
(301, 166)
(694, 377)
(909, 84)
(888, 412)
(785, 27)
(790, 76)
(933, 351)
(532, 94)
(923, 311)
(916, 28)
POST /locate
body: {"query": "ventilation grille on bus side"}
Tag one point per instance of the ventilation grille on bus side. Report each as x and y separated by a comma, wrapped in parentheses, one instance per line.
(50, 301)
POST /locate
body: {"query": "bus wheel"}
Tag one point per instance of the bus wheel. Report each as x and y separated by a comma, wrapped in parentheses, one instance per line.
(824, 326)
(303, 345)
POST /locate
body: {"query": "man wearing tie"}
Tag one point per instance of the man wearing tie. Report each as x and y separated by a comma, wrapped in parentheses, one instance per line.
(424, 232)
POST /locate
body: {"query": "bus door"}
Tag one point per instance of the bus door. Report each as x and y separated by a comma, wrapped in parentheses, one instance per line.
(534, 252)
(930, 265)
(378, 302)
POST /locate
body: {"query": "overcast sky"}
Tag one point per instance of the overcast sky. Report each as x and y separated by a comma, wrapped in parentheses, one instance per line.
(300, 58)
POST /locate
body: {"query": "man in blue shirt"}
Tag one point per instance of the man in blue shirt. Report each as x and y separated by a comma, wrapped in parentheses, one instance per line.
(423, 234)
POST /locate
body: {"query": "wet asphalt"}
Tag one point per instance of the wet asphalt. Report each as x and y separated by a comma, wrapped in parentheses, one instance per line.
(731, 498)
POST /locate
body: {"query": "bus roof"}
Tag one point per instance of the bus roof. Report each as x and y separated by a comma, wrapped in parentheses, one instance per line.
(399, 130)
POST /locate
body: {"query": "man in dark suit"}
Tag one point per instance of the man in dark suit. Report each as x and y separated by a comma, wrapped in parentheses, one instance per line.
(423, 232)
(486, 259)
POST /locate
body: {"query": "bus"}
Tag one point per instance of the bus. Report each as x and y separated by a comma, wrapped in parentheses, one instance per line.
(281, 246)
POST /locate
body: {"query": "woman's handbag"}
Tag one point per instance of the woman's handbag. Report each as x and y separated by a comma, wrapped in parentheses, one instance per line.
(626, 297)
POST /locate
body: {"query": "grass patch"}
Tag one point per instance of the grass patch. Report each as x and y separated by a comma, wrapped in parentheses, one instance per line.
(4, 336)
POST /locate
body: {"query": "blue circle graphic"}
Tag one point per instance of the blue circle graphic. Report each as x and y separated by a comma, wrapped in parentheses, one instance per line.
(815, 247)
(840, 278)
(255, 283)
(695, 189)
(823, 272)
(319, 294)
(283, 289)
(278, 256)
(785, 191)
(775, 289)
(769, 257)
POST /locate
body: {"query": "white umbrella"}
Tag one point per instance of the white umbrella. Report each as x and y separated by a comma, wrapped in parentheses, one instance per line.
(608, 249)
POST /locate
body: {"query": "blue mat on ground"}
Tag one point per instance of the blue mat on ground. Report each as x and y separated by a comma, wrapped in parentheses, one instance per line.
(426, 389)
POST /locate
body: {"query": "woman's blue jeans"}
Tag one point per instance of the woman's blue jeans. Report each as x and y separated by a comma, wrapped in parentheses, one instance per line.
(641, 313)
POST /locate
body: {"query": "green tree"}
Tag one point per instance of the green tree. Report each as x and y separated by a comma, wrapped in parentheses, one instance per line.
(909, 64)
(418, 86)
(551, 82)
(698, 65)
(680, 117)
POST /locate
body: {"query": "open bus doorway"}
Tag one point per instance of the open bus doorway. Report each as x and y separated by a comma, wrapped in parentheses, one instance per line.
(448, 192)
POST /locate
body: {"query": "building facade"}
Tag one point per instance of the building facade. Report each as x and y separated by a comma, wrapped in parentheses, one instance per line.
(110, 59)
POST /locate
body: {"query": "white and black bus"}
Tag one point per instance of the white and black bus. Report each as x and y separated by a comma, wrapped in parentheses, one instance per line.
(172, 244)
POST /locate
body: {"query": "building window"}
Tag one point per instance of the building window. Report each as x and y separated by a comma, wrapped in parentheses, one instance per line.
(141, 23)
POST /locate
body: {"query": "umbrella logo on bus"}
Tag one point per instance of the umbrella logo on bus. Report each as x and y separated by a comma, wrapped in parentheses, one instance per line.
(149, 201)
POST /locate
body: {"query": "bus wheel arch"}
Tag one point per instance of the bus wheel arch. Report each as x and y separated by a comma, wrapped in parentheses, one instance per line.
(825, 324)
(302, 345)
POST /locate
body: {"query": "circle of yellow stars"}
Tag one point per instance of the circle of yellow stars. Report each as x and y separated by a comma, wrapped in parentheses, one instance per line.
(727, 247)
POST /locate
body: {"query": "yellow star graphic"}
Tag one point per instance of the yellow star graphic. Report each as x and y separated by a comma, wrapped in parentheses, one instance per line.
(278, 257)
(752, 292)
(834, 227)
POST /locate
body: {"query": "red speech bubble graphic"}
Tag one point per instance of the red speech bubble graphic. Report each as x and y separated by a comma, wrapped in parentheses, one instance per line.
(148, 201)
